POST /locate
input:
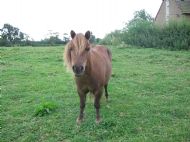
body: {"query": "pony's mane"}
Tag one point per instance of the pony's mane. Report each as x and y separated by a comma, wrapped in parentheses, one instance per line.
(67, 61)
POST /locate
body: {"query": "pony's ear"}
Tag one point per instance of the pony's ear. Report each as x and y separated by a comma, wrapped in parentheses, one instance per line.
(87, 35)
(72, 33)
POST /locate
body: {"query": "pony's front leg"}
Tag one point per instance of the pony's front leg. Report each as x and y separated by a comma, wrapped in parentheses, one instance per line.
(97, 98)
(82, 106)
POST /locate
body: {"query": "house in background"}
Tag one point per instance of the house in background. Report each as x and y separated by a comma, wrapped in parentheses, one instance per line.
(173, 10)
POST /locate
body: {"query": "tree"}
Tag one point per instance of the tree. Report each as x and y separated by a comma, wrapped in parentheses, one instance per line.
(139, 17)
(52, 39)
(132, 30)
(65, 38)
(92, 38)
(10, 35)
(137, 30)
(143, 15)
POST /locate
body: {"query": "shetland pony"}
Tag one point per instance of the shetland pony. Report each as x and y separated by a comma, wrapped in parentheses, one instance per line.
(92, 69)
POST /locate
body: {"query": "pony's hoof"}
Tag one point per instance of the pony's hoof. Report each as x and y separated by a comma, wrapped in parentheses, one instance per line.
(98, 120)
(79, 120)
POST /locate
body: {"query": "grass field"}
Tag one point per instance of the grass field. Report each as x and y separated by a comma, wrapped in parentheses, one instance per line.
(149, 97)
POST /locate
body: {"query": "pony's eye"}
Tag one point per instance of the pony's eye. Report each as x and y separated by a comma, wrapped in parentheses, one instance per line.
(87, 49)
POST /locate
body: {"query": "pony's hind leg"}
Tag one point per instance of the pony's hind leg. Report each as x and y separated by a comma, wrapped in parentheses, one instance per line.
(106, 91)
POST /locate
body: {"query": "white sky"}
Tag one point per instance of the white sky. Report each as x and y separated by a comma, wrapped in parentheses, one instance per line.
(36, 17)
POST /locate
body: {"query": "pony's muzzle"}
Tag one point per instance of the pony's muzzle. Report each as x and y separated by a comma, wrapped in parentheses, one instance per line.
(78, 70)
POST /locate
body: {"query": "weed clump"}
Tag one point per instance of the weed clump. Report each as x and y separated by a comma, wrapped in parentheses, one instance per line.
(45, 108)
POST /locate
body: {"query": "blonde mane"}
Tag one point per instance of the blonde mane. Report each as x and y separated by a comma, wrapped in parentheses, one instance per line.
(67, 58)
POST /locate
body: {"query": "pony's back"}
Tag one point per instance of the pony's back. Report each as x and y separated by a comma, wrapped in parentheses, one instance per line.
(101, 63)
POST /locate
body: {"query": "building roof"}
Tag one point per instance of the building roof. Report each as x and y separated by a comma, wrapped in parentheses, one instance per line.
(184, 6)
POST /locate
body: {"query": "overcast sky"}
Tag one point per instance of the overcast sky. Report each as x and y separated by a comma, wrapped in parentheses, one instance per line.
(37, 17)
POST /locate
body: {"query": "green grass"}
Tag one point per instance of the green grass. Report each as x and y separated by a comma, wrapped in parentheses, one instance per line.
(149, 97)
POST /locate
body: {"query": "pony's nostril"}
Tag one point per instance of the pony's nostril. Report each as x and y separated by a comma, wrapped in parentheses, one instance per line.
(74, 68)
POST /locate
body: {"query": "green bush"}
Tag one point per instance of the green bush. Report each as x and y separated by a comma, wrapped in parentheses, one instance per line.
(114, 38)
(174, 36)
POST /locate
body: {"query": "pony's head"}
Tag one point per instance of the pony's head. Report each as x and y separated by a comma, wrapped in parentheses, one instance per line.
(76, 52)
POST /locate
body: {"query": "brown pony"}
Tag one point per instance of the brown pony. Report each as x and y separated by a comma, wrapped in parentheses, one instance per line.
(92, 69)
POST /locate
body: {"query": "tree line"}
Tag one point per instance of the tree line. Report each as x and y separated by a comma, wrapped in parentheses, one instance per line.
(140, 31)
(12, 36)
